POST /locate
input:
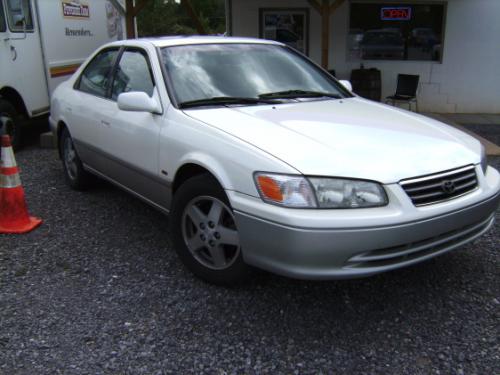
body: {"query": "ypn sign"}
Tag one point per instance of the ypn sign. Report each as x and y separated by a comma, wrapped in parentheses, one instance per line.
(395, 13)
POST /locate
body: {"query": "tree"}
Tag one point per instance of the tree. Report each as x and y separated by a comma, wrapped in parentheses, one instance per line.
(169, 17)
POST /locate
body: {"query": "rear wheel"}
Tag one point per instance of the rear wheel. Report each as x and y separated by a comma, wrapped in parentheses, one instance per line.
(11, 121)
(205, 234)
(75, 175)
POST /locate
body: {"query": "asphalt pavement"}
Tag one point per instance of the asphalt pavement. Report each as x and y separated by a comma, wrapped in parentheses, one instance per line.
(98, 289)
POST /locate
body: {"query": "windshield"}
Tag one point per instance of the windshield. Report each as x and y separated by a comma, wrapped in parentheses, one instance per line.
(207, 71)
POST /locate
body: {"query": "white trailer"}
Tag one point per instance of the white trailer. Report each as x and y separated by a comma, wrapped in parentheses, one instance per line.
(42, 42)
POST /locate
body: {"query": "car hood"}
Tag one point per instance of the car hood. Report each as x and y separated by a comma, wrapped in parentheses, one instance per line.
(352, 137)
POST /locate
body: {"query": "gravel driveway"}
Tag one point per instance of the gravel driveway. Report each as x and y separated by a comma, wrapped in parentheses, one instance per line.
(97, 289)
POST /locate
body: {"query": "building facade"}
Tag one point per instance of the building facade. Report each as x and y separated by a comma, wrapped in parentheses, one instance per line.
(452, 45)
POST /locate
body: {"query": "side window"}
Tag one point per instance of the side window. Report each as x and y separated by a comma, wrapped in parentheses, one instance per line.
(2, 19)
(96, 76)
(17, 11)
(133, 74)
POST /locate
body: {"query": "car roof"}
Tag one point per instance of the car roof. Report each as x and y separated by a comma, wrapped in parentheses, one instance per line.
(192, 40)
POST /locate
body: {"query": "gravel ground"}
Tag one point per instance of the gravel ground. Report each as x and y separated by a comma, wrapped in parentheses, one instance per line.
(97, 289)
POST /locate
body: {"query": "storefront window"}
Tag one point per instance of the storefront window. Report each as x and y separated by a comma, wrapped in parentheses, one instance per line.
(396, 31)
(288, 26)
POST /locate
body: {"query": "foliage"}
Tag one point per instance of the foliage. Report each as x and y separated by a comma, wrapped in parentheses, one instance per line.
(169, 17)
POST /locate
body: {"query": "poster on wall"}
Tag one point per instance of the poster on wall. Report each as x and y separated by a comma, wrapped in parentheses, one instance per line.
(286, 25)
(114, 21)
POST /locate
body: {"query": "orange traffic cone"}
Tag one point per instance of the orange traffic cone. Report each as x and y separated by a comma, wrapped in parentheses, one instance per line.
(14, 217)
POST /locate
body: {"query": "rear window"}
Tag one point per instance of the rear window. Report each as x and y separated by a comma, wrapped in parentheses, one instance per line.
(96, 76)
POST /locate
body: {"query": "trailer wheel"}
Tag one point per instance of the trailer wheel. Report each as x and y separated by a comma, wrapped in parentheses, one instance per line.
(10, 123)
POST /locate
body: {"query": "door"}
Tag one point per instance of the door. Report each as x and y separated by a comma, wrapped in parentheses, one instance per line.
(21, 59)
(130, 140)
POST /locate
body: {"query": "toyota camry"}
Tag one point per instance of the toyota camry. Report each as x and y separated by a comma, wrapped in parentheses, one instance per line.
(262, 159)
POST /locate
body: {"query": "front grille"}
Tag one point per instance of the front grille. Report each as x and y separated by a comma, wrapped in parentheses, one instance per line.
(423, 249)
(441, 186)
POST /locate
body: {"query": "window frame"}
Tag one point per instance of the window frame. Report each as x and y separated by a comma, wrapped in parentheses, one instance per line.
(124, 49)
(12, 28)
(444, 3)
(119, 50)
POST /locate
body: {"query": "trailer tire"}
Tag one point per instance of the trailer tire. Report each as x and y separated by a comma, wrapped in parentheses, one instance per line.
(11, 123)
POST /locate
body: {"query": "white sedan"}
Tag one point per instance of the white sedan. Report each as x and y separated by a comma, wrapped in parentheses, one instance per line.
(263, 159)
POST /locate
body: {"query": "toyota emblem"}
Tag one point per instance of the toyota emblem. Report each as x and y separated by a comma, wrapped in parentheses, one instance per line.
(448, 186)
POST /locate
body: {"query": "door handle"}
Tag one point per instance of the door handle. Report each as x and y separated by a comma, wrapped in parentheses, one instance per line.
(105, 123)
(13, 52)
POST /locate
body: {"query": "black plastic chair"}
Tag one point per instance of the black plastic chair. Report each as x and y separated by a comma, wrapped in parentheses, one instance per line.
(406, 91)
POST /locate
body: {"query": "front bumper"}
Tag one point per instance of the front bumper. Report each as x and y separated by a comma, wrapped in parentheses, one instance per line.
(350, 252)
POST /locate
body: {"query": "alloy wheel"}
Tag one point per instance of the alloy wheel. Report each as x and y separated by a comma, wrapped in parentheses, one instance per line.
(209, 232)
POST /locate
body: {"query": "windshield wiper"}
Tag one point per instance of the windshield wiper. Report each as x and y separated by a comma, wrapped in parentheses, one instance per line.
(294, 94)
(224, 100)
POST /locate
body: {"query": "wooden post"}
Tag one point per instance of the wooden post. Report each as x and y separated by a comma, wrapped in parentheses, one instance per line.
(194, 17)
(325, 33)
(326, 10)
(129, 19)
(131, 13)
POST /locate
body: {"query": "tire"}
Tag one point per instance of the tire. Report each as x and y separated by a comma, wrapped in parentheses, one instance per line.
(76, 177)
(204, 232)
(12, 121)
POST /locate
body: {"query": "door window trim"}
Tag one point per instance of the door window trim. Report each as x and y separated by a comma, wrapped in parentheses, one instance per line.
(76, 85)
(145, 54)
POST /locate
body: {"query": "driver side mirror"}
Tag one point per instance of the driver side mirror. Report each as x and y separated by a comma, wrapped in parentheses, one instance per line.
(138, 101)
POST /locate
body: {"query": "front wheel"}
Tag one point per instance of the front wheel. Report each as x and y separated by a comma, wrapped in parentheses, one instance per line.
(204, 232)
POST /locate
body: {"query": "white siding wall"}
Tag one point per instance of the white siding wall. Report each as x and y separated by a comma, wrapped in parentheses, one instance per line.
(468, 80)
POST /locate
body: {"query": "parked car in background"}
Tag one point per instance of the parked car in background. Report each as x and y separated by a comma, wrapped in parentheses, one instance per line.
(382, 44)
(424, 37)
(263, 159)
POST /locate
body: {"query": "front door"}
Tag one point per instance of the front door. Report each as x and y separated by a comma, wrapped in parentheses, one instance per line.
(129, 139)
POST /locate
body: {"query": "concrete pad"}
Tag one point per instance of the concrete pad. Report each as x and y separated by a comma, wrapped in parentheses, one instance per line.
(468, 118)
(491, 148)
(47, 140)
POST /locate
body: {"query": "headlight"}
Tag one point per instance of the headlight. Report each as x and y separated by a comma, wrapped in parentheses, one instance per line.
(345, 193)
(484, 160)
(302, 192)
(285, 190)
